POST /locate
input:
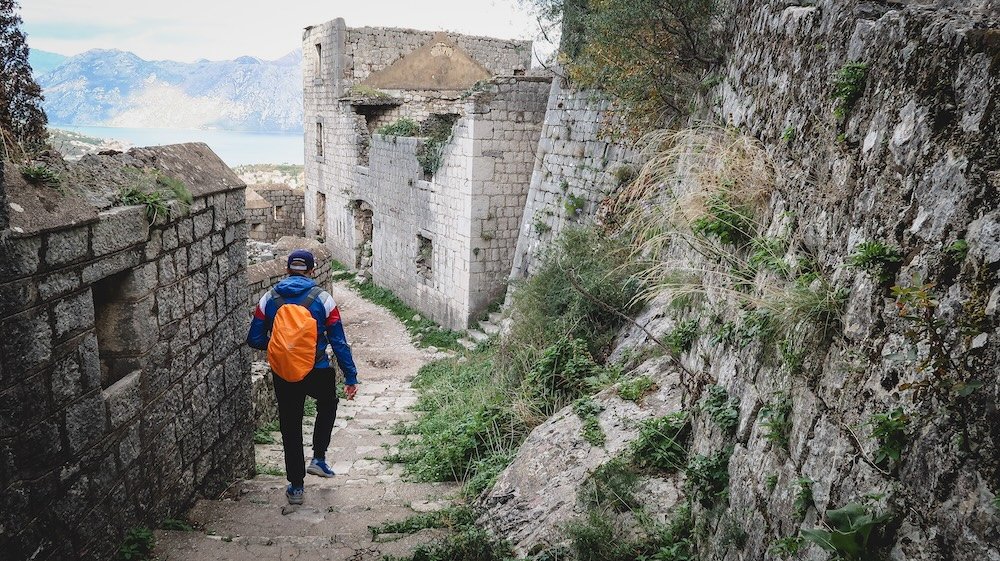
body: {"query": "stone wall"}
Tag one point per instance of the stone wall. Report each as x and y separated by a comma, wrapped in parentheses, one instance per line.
(913, 164)
(576, 167)
(264, 275)
(274, 211)
(125, 387)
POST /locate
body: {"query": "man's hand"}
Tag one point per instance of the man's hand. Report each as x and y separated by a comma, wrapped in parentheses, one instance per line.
(350, 390)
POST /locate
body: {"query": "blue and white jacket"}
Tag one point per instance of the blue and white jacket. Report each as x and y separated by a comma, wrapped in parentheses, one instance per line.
(294, 290)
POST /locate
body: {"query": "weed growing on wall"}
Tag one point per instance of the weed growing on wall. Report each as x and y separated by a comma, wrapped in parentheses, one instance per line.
(635, 388)
(40, 175)
(682, 336)
(803, 496)
(775, 420)
(611, 486)
(877, 259)
(890, 432)
(662, 443)
(588, 410)
(848, 85)
(853, 532)
(403, 126)
(722, 409)
(708, 477)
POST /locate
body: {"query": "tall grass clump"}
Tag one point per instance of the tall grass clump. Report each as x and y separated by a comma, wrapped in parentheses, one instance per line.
(477, 409)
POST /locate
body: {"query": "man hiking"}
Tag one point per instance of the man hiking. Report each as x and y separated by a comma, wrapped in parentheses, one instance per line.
(295, 322)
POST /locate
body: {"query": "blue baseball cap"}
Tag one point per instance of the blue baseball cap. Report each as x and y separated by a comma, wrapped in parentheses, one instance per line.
(301, 260)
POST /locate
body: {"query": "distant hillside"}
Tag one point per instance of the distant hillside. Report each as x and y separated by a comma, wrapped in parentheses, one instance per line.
(43, 62)
(120, 89)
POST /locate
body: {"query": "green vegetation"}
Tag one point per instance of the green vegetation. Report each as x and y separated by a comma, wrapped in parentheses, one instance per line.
(848, 85)
(437, 129)
(662, 443)
(722, 409)
(460, 517)
(467, 544)
(786, 547)
(366, 92)
(403, 126)
(958, 250)
(890, 431)
(879, 260)
(635, 388)
(574, 205)
(138, 545)
(682, 336)
(788, 135)
(849, 536)
(177, 188)
(611, 486)
(708, 477)
(479, 408)
(771, 481)
(263, 434)
(624, 175)
(629, 66)
(155, 202)
(425, 331)
(776, 421)
(588, 410)
(268, 470)
(41, 175)
(728, 221)
(600, 537)
(803, 496)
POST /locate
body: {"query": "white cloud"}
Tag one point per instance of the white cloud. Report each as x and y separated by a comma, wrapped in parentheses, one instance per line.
(187, 30)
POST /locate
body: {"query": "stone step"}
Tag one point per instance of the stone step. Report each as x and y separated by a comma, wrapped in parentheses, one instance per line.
(196, 545)
(478, 336)
(468, 344)
(496, 318)
(489, 328)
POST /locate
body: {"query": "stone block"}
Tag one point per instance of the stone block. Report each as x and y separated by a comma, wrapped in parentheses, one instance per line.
(19, 257)
(140, 282)
(170, 241)
(117, 229)
(26, 343)
(67, 379)
(17, 295)
(203, 224)
(112, 264)
(66, 246)
(57, 284)
(123, 400)
(85, 421)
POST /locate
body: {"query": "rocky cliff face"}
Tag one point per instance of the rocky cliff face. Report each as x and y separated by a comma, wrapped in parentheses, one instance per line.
(898, 175)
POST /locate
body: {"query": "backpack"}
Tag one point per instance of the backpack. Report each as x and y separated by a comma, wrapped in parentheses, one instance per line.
(292, 350)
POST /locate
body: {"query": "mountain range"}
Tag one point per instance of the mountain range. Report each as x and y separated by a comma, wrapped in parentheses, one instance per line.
(119, 89)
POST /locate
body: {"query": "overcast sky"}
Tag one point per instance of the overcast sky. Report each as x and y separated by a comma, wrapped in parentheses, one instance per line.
(187, 30)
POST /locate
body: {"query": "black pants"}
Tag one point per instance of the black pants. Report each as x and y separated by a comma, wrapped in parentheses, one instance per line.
(320, 384)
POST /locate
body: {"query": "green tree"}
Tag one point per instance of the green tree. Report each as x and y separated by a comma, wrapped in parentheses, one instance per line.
(650, 55)
(21, 115)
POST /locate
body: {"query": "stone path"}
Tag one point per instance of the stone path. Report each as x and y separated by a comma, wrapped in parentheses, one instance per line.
(254, 520)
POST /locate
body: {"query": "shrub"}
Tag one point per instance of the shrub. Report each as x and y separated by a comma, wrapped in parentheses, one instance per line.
(400, 127)
(451, 517)
(574, 205)
(611, 486)
(731, 223)
(588, 410)
(803, 496)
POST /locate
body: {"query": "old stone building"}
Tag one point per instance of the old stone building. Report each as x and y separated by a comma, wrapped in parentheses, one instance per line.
(434, 215)
(125, 383)
(275, 210)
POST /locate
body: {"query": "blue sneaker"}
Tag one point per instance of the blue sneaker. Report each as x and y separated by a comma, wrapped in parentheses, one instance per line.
(295, 494)
(319, 467)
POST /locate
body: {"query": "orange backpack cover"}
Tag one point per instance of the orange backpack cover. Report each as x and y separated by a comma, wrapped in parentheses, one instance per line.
(292, 350)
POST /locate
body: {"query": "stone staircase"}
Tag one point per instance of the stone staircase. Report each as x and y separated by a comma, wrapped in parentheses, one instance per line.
(253, 520)
(487, 328)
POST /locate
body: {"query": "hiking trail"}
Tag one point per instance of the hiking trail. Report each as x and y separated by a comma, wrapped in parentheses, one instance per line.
(252, 520)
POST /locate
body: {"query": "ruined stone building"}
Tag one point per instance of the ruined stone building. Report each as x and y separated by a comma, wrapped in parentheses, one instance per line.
(124, 383)
(433, 216)
(275, 210)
